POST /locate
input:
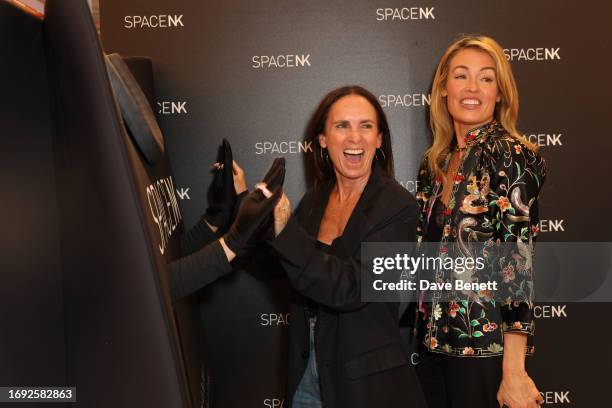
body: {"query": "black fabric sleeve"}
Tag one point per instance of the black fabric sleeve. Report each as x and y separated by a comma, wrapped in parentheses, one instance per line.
(328, 279)
(197, 237)
(192, 272)
(515, 186)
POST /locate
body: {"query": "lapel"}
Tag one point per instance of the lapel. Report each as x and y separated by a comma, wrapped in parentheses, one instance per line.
(360, 221)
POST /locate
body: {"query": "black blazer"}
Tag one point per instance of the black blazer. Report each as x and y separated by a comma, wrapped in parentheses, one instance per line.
(360, 358)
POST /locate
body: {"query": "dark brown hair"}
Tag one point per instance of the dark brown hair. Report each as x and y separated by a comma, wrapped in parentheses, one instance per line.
(322, 168)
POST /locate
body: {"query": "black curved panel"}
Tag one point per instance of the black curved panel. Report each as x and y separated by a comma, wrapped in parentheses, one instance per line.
(120, 348)
(32, 348)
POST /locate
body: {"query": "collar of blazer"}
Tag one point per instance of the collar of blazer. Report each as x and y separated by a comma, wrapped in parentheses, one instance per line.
(364, 217)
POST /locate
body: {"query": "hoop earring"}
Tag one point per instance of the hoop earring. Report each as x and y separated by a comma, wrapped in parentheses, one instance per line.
(326, 157)
(382, 152)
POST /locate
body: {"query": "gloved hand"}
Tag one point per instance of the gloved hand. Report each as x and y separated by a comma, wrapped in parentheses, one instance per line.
(254, 220)
(274, 177)
(239, 185)
(221, 193)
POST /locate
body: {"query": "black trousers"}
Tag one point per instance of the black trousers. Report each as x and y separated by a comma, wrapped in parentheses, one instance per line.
(459, 382)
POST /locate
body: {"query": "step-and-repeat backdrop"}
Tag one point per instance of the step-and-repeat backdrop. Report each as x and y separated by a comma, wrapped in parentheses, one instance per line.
(253, 72)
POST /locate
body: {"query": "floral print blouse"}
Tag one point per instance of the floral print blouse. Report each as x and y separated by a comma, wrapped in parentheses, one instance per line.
(494, 201)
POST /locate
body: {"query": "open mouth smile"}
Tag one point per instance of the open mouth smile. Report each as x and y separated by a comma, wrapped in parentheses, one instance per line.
(470, 103)
(353, 155)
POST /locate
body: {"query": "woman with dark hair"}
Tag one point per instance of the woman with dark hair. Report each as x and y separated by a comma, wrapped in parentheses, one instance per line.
(478, 191)
(323, 172)
(344, 352)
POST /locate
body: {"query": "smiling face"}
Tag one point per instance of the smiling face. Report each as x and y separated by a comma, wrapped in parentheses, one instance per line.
(471, 89)
(351, 137)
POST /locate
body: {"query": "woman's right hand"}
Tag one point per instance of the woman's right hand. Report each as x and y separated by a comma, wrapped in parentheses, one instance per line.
(517, 390)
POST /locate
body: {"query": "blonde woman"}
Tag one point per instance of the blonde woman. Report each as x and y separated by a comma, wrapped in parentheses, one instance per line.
(479, 181)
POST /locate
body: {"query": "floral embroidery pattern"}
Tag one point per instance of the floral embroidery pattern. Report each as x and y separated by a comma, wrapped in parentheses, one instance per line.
(497, 187)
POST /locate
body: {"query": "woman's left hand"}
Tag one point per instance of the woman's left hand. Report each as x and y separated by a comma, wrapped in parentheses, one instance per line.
(282, 212)
(517, 390)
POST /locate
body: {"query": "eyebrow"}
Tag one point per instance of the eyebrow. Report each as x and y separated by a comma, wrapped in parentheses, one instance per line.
(347, 120)
(464, 67)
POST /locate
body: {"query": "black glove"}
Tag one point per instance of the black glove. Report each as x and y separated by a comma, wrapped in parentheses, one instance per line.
(239, 199)
(274, 178)
(221, 193)
(255, 216)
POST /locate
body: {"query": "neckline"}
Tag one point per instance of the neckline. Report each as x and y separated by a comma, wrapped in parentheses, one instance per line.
(479, 134)
(324, 194)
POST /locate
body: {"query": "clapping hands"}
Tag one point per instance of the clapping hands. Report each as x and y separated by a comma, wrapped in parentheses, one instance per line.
(254, 220)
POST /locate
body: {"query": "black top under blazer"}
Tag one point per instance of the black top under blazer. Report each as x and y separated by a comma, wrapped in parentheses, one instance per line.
(360, 358)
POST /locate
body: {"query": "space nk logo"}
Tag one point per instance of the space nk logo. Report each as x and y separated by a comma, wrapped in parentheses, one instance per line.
(274, 403)
(545, 139)
(154, 21)
(172, 107)
(410, 185)
(532, 54)
(405, 13)
(274, 319)
(407, 100)
(283, 147)
(556, 397)
(164, 209)
(549, 311)
(183, 193)
(280, 61)
(551, 226)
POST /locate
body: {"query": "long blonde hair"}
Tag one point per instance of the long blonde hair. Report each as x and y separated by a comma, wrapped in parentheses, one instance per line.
(440, 121)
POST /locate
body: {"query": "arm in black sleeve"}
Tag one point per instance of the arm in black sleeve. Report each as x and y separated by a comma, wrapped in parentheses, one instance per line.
(515, 186)
(328, 279)
(262, 260)
(192, 272)
(197, 237)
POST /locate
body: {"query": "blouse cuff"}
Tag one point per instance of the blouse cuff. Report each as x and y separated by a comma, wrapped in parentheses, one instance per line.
(518, 318)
